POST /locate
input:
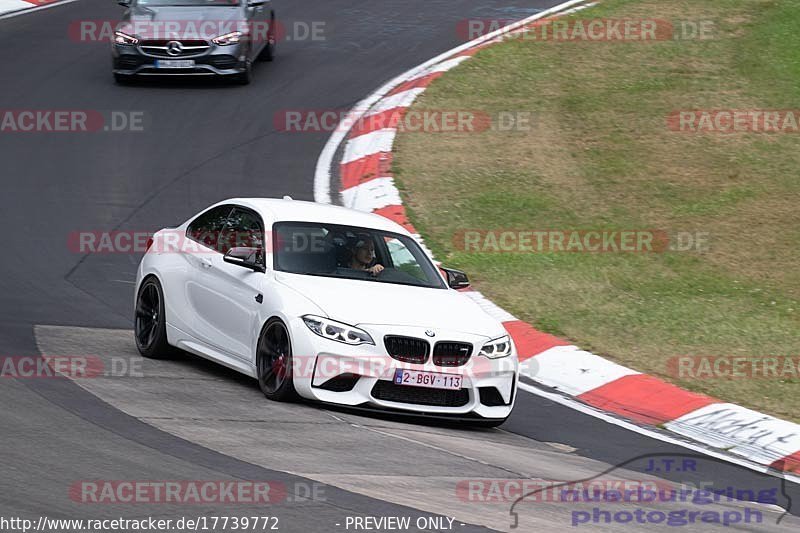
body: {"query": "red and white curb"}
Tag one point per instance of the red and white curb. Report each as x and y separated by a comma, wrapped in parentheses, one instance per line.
(366, 183)
(9, 8)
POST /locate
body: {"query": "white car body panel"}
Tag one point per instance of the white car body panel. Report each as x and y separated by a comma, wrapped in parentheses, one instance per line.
(401, 305)
(211, 310)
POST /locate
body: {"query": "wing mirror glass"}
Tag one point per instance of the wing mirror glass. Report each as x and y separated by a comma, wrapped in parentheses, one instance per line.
(246, 257)
(456, 279)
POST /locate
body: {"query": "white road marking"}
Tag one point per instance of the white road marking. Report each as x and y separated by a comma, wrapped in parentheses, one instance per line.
(402, 99)
(14, 5)
(371, 195)
(368, 144)
(731, 427)
(591, 411)
(575, 371)
(322, 174)
(29, 8)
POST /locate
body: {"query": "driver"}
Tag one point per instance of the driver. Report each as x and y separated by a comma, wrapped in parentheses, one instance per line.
(364, 255)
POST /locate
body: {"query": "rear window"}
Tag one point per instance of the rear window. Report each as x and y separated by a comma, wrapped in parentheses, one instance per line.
(206, 228)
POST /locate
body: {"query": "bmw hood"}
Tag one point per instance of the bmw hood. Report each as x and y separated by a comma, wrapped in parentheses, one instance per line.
(357, 302)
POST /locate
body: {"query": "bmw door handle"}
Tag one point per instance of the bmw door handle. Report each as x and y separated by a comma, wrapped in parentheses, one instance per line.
(205, 263)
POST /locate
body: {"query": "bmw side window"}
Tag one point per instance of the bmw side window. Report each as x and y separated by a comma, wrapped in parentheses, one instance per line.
(403, 259)
(245, 229)
(206, 228)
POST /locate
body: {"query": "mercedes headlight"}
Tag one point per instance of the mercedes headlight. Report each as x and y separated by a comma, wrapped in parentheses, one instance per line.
(124, 38)
(497, 348)
(229, 38)
(337, 331)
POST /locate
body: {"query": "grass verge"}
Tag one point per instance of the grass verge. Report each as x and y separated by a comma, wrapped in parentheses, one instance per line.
(600, 156)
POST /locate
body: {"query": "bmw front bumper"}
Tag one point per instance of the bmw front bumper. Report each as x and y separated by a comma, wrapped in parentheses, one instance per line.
(363, 376)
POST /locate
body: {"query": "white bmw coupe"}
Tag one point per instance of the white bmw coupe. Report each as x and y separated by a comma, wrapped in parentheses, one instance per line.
(327, 303)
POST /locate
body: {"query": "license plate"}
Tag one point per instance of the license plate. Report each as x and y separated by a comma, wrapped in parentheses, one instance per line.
(175, 63)
(427, 379)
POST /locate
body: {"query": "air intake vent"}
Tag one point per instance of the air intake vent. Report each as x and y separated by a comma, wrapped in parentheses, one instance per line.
(407, 349)
(491, 397)
(173, 48)
(388, 391)
(127, 62)
(341, 383)
(448, 353)
(223, 62)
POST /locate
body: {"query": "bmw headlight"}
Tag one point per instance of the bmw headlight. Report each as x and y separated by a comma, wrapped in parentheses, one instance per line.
(497, 348)
(229, 38)
(337, 331)
(124, 38)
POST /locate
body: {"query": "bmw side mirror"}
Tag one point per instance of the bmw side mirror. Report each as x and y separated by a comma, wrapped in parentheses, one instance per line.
(455, 278)
(255, 3)
(124, 3)
(246, 257)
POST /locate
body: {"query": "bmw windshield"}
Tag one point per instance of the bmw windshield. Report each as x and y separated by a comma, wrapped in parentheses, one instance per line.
(348, 252)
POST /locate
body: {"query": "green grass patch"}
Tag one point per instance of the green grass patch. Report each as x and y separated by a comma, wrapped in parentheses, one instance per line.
(600, 155)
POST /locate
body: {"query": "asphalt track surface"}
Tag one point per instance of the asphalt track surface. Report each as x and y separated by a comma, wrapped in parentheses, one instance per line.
(191, 420)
